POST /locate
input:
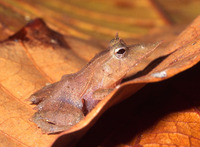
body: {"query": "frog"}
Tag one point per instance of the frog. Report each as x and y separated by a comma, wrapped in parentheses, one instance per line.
(63, 104)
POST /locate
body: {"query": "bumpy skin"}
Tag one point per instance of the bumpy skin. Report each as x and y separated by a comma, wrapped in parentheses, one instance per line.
(62, 104)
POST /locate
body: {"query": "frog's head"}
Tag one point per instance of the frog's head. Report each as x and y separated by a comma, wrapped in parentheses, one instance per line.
(130, 55)
(113, 64)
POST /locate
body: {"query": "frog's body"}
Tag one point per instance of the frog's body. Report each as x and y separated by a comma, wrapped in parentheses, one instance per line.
(63, 104)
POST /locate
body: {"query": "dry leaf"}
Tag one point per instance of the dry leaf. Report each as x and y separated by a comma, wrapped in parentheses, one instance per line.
(39, 43)
(164, 113)
(33, 52)
(185, 53)
(29, 64)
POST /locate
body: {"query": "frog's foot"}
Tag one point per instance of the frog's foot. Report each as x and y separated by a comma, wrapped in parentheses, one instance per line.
(47, 127)
(58, 118)
(41, 94)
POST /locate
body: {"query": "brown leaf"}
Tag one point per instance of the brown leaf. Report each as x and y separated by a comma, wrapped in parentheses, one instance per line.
(27, 57)
(162, 113)
(27, 65)
(185, 52)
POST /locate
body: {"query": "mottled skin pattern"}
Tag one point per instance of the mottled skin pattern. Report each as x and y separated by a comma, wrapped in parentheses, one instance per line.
(62, 104)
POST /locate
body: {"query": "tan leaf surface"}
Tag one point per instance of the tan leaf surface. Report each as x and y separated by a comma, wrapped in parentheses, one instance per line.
(36, 55)
(161, 114)
(185, 53)
(27, 57)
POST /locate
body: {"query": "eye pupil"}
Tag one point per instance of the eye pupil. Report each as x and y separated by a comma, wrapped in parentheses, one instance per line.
(121, 51)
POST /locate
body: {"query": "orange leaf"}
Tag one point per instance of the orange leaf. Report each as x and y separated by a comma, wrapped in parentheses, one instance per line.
(185, 52)
(37, 55)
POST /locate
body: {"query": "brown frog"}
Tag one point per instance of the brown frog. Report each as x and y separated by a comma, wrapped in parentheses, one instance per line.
(62, 104)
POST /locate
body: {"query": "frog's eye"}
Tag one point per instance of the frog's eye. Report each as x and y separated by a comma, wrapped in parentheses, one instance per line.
(120, 52)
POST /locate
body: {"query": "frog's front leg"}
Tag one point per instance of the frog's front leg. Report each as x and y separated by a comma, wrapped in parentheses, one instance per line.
(100, 94)
(58, 118)
(42, 94)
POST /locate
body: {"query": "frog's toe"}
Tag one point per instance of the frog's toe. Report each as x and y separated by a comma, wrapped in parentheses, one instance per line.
(42, 94)
(34, 99)
(47, 127)
(58, 118)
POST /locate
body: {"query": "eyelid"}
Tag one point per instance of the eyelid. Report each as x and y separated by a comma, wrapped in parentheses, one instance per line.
(117, 49)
